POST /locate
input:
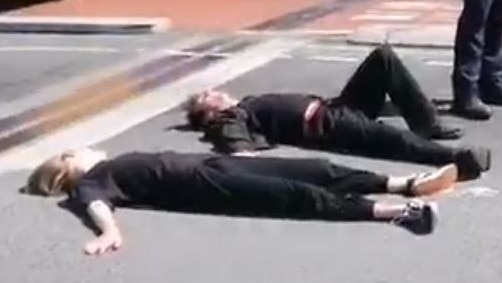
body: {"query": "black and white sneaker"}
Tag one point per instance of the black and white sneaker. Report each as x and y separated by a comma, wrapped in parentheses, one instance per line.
(419, 217)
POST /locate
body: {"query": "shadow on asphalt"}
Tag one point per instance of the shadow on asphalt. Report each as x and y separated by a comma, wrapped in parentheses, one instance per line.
(13, 5)
(80, 214)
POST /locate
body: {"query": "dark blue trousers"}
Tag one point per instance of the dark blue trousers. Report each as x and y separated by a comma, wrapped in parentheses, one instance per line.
(478, 49)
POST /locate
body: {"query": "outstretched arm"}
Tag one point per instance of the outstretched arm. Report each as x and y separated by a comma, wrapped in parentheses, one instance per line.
(110, 238)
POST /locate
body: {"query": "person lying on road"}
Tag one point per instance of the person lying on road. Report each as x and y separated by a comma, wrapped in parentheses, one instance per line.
(345, 123)
(205, 183)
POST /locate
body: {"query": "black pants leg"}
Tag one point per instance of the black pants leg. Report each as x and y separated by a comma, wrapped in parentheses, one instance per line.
(319, 172)
(491, 67)
(351, 131)
(251, 194)
(470, 42)
(382, 73)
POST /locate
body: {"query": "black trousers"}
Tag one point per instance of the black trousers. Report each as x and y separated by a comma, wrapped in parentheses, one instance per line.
(291, 188)
(478, 49)
(349, 122)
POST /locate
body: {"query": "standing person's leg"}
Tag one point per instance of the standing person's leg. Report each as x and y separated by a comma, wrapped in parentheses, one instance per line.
(469, 45)
(382, 73)
(237, 193)
(491, 70)
(351, 131)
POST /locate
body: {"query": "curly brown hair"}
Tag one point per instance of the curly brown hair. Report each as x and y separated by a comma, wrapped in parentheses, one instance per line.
(195, 115)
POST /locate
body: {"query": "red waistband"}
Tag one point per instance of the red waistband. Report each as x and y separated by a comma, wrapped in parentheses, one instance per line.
(313, 120)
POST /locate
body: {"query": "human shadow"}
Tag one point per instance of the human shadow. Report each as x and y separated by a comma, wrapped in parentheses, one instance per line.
(80, 214)
(18, 4)
(87, 222)
(69, 206)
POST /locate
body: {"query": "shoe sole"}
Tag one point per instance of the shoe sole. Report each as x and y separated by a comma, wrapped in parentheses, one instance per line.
(434, 215)
(484, 159)
(438, 182)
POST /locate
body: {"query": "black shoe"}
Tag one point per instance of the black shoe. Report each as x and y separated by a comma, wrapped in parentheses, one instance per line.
(471, 162)
(419, 217)
(493, 97)
(472, 108)
(441, 132)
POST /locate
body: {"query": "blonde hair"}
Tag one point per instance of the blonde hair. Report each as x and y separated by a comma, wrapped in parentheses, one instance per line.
(53, 177)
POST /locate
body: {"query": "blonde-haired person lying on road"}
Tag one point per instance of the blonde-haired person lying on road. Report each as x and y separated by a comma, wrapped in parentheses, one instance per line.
(205, 183)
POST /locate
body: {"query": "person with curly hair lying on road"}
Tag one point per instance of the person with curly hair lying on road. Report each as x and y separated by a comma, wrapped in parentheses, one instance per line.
(230, 185)
(345, 123)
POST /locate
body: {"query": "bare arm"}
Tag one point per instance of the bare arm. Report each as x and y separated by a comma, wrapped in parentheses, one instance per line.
(110, 238)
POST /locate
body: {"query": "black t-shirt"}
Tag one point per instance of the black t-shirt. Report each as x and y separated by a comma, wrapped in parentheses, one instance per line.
(165, 179)
(260, 122)
(279, 116)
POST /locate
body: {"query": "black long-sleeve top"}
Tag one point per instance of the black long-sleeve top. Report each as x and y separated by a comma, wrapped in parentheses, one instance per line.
(259, 122)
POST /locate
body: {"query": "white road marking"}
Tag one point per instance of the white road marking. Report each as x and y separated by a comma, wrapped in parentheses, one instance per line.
(196, 54)
(409, 5)
(134, 112)
(420, 5)
(439, 63)
(52, 93)
(377, 15)
(297, 32)
(282, 56)
(478, 192)
(333, 59)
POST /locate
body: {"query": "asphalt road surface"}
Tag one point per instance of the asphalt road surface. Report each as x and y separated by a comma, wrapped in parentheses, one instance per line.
(42, 242)
(32, 64)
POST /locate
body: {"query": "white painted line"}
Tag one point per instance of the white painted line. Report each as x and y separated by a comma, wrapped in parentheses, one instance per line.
(439, 63)
(196, 54)
(58, 49)
(330, 47)
(479, 192)
(385, 16)
(53, 93)
(334, 59)
(409, 5)
(297, 32)
(134, 112)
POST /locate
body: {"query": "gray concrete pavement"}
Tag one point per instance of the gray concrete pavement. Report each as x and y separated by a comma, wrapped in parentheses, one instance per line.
(40, 242)
(31, 63)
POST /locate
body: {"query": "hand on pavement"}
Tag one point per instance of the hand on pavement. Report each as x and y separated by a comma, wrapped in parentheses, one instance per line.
(105, 243)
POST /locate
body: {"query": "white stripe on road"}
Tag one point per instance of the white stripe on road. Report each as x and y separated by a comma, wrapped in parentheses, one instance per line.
(478, 192)
(409, 5)
(439, 63)
(421, 5)
(333, 59)
(385, 16)
(52, 93)
(283, 56)
(134, 112)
